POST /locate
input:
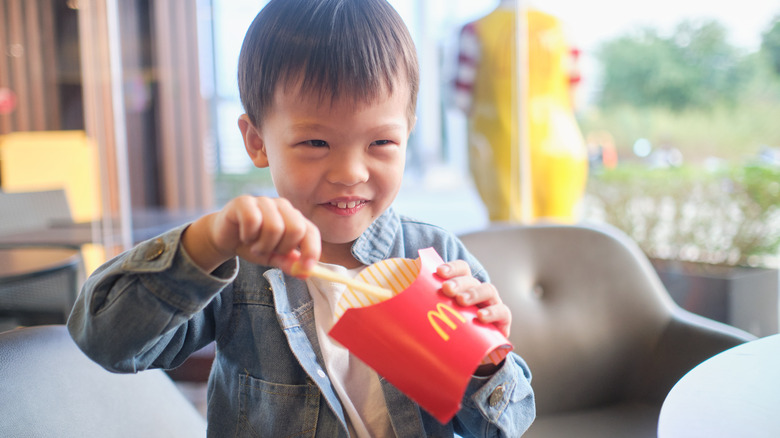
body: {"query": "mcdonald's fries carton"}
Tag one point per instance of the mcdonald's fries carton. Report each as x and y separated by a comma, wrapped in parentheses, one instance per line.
(420, 340)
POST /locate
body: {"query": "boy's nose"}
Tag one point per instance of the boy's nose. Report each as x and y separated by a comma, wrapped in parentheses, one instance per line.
(348, 169)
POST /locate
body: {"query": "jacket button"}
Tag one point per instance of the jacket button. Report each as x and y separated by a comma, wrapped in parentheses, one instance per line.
(155, 250)
(496, 396)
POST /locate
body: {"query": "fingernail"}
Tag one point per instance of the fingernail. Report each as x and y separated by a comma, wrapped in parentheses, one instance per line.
(444, 269)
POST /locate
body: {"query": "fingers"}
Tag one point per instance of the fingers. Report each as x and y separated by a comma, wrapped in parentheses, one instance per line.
(492, 309)
(452, 269)
(468, 291)
(497, 314)
(246, 217)
(310, 246)
(302, 260)
(483, 295)
(268, 231)
(281, 229)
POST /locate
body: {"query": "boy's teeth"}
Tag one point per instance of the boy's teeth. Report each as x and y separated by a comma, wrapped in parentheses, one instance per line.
(351, 204)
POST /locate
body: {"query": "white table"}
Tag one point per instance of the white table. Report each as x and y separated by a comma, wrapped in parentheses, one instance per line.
(733, 394)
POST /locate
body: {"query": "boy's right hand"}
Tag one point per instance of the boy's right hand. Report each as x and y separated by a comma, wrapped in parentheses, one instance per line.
(266, 231)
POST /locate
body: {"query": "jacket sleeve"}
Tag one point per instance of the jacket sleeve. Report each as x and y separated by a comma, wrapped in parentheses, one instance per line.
(149, 307)
(501, 405)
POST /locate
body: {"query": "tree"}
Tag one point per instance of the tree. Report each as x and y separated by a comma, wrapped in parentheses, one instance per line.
(770, 44)
(693, 68)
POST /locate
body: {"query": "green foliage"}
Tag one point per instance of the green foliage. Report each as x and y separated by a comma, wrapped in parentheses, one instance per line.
(716, 104)
(729, 132)
(730, 215)
(254, 182)
(770, 44)
(691, 91)
(693, 68)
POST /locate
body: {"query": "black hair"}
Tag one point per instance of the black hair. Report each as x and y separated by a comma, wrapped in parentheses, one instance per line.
(358, 49)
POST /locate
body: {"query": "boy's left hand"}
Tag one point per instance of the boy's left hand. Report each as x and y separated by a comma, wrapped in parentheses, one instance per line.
(468, 291)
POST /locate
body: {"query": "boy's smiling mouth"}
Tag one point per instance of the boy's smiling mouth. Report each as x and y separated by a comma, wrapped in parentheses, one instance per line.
(346, 207)
(350, 204)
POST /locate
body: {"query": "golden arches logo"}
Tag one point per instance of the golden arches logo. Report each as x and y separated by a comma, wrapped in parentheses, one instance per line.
(439, 313)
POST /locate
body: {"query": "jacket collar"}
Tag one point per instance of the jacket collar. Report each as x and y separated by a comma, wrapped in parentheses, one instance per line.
(379, 240)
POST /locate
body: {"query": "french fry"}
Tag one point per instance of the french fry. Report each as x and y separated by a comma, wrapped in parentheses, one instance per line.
(377, 292)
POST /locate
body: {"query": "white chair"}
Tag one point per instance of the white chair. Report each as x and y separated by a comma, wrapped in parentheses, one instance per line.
(32, 210)
(51, 389)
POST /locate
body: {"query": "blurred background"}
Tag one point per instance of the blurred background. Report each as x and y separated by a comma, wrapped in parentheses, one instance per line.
(670, 111)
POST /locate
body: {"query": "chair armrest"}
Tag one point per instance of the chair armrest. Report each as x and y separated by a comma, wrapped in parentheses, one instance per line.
(687, 341)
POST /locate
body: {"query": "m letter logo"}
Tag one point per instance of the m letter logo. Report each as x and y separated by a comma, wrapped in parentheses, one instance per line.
(439, 313)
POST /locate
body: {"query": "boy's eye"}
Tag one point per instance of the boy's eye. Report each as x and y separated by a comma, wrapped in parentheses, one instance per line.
(381, 142)
(316, 143)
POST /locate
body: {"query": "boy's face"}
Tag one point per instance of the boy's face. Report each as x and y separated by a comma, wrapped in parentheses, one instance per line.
(340, 164)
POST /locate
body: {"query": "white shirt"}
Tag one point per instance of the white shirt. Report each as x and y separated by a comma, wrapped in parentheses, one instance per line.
(356, 384)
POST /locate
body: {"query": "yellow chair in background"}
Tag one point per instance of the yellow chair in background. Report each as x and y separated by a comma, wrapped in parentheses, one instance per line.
(47, 160)
(51, 160)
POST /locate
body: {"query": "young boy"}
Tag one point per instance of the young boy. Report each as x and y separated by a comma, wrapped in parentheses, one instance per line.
(329, 88)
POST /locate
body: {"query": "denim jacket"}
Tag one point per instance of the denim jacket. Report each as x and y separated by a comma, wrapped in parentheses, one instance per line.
(151, 307)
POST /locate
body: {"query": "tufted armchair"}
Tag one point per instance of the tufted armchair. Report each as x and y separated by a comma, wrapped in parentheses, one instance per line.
(604, 340)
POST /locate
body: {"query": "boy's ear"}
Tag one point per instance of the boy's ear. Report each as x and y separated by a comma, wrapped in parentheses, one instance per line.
(253, 141)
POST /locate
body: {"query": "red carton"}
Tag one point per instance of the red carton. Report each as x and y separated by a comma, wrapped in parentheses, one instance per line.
(422, 341)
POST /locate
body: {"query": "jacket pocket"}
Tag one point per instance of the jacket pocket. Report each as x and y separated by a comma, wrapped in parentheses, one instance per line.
(269, 409)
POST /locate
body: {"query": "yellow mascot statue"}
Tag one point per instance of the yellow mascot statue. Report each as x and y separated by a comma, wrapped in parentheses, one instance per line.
(485, 89)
